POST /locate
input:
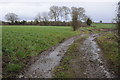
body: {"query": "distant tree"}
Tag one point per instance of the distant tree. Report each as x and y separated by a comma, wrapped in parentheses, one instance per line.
(16, 22)
(42, 18)
(23, 22)
(81, 13)
(65, 13)
(36, 21)
(12, 17)
(38, 18)
(89, 22)
(1, 22)
(31, 22)
(100, 21)
(78, 14)
(55, 12)
(74, 14)
(85, 17)
(118, 21)
(45, 16)
(114, 20)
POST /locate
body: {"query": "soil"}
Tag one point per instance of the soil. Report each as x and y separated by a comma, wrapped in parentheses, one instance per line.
(94, 64)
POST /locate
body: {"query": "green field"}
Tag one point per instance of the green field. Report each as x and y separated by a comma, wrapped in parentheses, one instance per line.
(22, 42)
(100, 25)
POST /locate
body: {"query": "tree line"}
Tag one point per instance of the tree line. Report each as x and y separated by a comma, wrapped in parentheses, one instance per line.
(57, 15)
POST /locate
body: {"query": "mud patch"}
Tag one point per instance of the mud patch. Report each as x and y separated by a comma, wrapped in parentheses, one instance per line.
(95, 67)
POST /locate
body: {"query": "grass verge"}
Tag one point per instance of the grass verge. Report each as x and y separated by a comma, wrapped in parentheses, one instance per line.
(109, 45)
(69, 61)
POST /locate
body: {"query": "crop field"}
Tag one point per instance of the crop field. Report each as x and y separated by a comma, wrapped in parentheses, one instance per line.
(22, 42)
(103, 26)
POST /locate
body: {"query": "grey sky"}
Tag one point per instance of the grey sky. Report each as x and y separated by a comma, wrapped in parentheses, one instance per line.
(27, 9)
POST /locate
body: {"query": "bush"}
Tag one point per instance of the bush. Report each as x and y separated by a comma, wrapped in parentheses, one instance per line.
(89, 22)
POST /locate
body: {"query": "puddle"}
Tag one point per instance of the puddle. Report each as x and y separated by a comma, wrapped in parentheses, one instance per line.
(44, 66)
(95, 64)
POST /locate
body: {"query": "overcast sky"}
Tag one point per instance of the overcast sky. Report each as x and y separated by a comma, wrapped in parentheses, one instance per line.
(97, 10)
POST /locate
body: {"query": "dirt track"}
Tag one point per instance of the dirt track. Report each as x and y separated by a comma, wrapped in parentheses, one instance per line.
(92, 61)
(43, 67)
(95, 64)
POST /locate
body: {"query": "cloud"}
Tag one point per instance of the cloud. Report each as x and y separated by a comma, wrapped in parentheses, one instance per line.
(28, 10)
(59, 0)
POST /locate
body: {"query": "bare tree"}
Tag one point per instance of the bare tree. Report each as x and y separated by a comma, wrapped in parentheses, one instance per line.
(118, 21)
(12, 17)
(65, 12)
(42, 17)
(81, 13)
(55, 12)
(74, 15)
(45, 16)
(78, 14)
(84, 18)
(114, 20)
(38, 18)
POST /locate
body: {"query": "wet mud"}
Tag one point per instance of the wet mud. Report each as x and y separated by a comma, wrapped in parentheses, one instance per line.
(95, 66)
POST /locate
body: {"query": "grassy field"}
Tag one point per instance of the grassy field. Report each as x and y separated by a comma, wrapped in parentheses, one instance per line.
(100, 26)
(22, 42)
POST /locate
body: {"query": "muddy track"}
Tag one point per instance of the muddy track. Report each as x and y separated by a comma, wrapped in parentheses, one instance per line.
(43, 67)
(86, 60)
(95, 64)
